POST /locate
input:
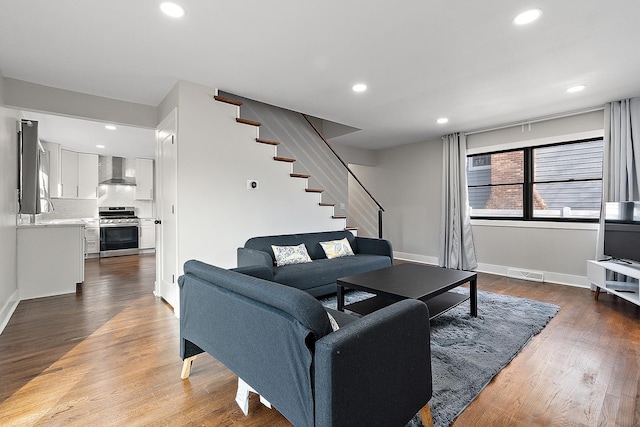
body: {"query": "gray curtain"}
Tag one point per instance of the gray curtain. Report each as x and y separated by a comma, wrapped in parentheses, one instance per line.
(456, 238)
(621, 171)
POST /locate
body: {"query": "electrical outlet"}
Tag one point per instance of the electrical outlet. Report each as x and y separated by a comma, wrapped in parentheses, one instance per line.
(252, 184)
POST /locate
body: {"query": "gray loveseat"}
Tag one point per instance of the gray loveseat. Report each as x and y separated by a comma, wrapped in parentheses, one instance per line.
(374, 370)
(319, 276)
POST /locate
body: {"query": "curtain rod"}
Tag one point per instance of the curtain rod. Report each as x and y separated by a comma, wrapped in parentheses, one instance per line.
(538, 120)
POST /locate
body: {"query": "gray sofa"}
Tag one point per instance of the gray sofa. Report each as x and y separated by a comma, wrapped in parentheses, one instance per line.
(374, 370)
(319, 276)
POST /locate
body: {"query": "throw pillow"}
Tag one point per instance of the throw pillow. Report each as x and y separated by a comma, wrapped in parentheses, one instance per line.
(286, 255)
(337, 248)
(334, 324)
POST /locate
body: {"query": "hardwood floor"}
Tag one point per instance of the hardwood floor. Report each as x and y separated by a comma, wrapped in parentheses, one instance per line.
(108, 355)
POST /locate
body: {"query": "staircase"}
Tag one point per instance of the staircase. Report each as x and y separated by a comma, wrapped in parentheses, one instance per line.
(341, 219)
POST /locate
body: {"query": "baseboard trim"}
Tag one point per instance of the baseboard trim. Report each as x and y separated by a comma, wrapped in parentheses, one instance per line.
(502, 270)
(549, 276)
(7, 310)
(422, 259)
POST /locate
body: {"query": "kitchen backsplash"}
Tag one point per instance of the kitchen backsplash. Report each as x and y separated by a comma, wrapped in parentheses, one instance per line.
(108, 195)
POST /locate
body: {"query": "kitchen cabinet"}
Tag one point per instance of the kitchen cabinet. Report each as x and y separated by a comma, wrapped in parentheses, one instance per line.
(50, 258)
(91, 238)
(78, 175)
(54, 168)
(69, 174)
(147, 238)
(144, 179)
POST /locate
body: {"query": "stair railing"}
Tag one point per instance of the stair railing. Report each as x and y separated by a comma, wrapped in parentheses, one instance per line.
(335, 153)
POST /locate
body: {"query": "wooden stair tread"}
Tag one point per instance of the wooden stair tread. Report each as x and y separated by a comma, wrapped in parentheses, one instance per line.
(299, 175)
(339, 217)
(283, 159)
(313, 190)
(248, 122)
(227, 100)
(267, 141)
(351, 228)
(327, 204)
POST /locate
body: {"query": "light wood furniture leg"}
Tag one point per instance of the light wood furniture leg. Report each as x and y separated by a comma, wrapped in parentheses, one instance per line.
(186, 367)
(425, 414)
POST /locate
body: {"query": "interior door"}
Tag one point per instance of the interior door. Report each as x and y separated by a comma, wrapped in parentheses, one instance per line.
(167, 230)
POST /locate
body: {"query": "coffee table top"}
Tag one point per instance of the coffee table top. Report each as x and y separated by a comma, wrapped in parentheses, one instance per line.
(407, 280)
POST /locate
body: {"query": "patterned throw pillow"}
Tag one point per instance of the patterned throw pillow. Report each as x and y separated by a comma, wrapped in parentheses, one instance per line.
(334, 324)
(286, 255)
(337, 248)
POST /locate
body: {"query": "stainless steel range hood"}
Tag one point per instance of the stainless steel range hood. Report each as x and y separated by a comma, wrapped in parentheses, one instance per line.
(112, 171)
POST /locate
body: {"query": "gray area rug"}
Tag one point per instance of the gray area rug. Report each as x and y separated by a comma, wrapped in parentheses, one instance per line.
(467, 352)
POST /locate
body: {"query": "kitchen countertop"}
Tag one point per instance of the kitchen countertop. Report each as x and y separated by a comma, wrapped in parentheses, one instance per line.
(79, 222)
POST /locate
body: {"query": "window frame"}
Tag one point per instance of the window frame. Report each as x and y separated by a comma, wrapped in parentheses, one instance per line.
(529, 183)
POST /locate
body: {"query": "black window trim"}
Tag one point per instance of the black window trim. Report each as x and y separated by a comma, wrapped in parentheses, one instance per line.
(527, 190)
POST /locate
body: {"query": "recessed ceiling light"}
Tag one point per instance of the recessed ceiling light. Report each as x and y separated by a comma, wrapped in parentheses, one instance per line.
(172, 9)
(99, 146)
(575, 89)
(527, 17)
(442, 120)
(360, 87)
(110, 127)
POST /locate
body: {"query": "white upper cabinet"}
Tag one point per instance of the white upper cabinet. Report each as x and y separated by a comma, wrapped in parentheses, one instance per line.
(79, 175)
(54, 168)
(144, 179)
(69, 174)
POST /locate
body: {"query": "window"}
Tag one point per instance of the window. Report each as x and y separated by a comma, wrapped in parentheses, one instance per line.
(481, 161)
(561, 182)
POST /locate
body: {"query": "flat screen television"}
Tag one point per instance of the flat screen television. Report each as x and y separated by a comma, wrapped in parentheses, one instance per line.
(622, 231)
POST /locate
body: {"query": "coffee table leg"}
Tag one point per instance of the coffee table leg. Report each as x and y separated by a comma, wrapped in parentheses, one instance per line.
(474, 297)
(340, 297)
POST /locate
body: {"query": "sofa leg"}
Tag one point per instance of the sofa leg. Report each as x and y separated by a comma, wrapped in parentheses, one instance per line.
(186, 367)
(425, 414)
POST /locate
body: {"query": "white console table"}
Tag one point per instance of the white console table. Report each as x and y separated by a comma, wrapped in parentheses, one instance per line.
(597, 274)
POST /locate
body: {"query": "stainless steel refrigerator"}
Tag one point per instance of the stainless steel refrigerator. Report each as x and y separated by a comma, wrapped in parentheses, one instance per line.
(33, 171)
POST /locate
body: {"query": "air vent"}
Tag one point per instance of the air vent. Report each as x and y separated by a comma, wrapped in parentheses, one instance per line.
(518, 273)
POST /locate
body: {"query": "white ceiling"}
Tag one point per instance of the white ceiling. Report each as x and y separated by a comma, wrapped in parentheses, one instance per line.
(86, 136)
(421, 59)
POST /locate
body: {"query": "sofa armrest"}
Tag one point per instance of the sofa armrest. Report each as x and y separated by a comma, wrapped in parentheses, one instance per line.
(368, 245)
(248, 257)
(376, 370)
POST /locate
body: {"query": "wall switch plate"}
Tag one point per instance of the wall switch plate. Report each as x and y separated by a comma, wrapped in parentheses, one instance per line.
(252, 184)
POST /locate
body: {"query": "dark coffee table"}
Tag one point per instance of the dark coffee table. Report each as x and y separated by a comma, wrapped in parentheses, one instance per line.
(426, 283)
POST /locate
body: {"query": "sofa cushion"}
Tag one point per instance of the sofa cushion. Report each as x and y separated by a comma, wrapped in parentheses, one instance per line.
(337, 248)
(285, 255)
(323, 271)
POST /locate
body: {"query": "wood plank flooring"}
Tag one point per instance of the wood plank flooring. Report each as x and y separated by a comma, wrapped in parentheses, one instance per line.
(108, 355)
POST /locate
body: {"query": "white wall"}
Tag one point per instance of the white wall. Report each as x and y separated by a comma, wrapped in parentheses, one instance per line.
(544, 132)
(8, 209)
(216, 157)
(35, 97)
(560, 251)
(408, 179)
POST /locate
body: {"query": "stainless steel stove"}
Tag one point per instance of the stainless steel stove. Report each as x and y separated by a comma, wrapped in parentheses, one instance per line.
(119, 231)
